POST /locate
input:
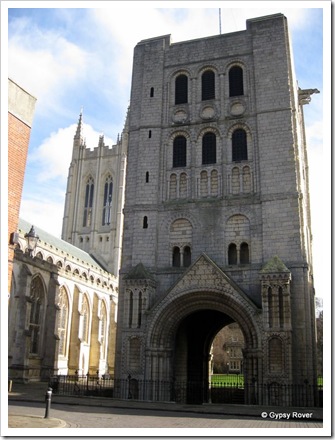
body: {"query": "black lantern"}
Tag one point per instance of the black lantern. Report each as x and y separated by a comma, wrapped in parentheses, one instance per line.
(32, 239)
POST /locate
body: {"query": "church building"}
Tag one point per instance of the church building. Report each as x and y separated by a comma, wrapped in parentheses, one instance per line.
(217, 225)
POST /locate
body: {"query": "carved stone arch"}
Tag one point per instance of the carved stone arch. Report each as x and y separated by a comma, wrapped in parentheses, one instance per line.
(208, 129)
(204, 68)
(184, 71)
(242, 125)
(168, 220)
(236, 62)
(178, 132)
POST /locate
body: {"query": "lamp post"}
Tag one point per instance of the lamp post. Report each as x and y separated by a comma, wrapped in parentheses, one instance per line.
(32, 239)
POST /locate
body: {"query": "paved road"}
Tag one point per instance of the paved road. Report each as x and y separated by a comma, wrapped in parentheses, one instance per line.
(77, 416)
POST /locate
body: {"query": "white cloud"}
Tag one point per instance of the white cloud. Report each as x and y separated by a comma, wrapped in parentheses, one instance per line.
(44, 214)
(45, 64)
(53, 156)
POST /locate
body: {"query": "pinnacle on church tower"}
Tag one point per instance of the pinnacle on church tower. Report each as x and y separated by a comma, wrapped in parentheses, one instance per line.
(79, 131)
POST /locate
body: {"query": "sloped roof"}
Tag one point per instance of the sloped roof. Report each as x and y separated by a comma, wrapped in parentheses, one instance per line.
(274, 265)
(139, 272)
(59, 244)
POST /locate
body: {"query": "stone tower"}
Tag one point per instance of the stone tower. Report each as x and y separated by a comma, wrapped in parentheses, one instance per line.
(216, 218)
(93, 218)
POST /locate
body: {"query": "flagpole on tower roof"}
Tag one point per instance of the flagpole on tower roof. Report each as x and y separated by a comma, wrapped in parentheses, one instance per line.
(220, 19)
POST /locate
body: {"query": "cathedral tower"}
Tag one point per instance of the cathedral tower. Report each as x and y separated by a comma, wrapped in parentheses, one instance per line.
(93, 218)
(217, 218)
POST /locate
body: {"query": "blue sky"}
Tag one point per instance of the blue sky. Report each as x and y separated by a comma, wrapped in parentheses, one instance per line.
(72, 57)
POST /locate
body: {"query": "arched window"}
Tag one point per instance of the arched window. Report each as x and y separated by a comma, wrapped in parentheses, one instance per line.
(103, 329)
(181, 91)
(139, 311)
(239, 145)
(179, 152)
(35, 319)
(236, 81)
(183, 185)
(232, 254)
(108, 195)
(130, 316)
(235, 181)
(176, 257)
(276, 355)
(187, 256)
(246, 180)
(88, 202)
(281, 307)
(214, 183)
(63, 314)
(208, 85)
(173, 186)
(203, 184)
(244, 253)
(85, 319)
(208, 148)
(270, 306)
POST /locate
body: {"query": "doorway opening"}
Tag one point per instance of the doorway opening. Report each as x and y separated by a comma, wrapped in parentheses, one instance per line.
(196, 340)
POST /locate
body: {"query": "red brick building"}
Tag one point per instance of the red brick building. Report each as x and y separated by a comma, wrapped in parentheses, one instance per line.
(21, 106)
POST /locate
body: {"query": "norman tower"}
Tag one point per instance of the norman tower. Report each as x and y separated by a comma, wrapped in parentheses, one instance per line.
(93, 218)
(217, 217)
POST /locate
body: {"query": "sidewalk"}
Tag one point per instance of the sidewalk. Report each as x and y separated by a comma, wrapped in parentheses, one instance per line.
(35, 392)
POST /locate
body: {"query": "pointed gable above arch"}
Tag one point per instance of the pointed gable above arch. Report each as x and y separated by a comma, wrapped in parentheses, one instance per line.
(205, 275)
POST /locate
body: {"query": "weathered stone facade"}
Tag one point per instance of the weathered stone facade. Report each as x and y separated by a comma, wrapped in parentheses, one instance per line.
(93, 218)
(216, 218)
(62, 311)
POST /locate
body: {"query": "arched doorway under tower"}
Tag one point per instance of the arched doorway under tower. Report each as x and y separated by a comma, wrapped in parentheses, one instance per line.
(193, 343)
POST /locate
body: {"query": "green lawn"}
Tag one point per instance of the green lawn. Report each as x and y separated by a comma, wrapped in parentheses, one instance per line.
(228, 379)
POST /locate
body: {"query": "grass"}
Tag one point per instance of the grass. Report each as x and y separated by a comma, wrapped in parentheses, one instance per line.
(227, 379)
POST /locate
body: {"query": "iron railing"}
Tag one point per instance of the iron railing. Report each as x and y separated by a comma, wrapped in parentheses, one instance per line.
(193, 392)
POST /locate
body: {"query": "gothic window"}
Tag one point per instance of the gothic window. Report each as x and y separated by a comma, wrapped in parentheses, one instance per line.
(232, 254)
(181, 91)
(63, 314)
(173, 186)
(208, 85)
(276, 355)
(246, 180)
(176, 257)
(236, 81)
(187, 256)
(139, 315)
(102, 329)
(239, 145)
(85, 320)
(179, 152)
(209, 148)
(35, 319)
(244, 253)
(183, 185)
(145, 222)
(130, 316)
(270, 306)
(214, 183)
(88, 202)
(281, 307)
(108, 195)
(235, 181)
(203, 184)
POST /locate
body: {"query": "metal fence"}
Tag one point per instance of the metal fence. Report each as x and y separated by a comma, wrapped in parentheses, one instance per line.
(192, 392)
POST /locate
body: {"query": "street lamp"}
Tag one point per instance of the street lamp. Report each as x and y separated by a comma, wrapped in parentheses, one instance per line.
(32, 239)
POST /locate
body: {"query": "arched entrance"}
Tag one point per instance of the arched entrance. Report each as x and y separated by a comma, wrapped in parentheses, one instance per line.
(182, 329)
(192, 354)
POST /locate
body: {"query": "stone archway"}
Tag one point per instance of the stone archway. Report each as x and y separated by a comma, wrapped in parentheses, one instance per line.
(184, 323)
